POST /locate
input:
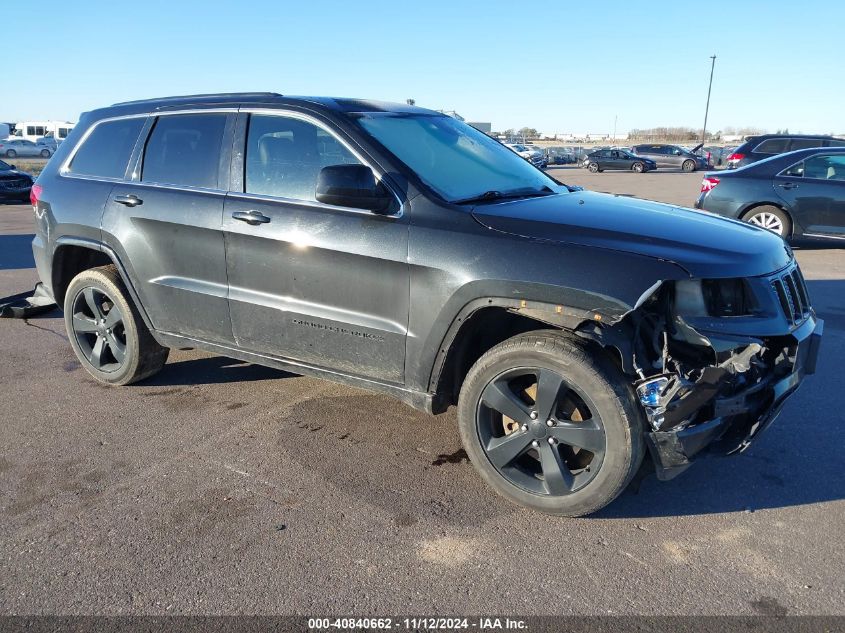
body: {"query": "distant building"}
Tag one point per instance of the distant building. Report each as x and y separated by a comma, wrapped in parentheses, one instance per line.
(485, 127)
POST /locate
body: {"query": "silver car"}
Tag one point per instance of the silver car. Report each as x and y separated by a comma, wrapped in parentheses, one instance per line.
(11, 148)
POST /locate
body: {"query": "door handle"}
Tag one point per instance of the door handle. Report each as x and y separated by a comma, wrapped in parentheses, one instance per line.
(253, 218)
(129, 201)
(788, 185)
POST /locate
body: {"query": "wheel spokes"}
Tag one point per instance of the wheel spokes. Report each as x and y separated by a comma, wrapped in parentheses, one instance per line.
(549, 388)
(114, 317)
(83, 324)
(556, 475)
(498, 396)
(586, 435)
(504, 450)
(117, 348)
(93, 305)
(96, 357)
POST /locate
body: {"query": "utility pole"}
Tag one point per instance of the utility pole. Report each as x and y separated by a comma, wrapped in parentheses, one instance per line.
(615, 116)
(707, 108)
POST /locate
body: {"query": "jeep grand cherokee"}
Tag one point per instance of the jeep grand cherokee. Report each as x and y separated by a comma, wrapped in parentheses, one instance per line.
(400, 250)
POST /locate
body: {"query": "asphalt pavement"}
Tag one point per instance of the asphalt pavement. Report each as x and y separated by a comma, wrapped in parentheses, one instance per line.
(219, 487)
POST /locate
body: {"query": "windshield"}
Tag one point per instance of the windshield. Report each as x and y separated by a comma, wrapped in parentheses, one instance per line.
(4, 166)
(454, 159)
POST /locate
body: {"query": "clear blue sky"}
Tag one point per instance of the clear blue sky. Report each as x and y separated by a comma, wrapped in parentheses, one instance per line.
(556, 66)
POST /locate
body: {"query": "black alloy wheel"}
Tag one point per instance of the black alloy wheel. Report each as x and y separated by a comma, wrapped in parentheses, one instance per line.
(99, 330)
(539, 432)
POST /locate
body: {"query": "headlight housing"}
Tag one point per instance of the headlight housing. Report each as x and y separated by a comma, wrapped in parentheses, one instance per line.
(714, 298)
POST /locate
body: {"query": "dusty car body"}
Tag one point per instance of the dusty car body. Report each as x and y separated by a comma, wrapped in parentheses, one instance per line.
(438, 287)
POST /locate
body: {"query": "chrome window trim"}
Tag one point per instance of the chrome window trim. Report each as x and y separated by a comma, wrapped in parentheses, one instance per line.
(293, 114)
(822, 152)
(64, 170)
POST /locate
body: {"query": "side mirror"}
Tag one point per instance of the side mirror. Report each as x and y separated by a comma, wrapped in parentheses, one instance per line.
(352, 186)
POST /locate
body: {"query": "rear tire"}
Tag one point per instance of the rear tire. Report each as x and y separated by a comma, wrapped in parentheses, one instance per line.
(771, 218)
(106, 331)
(539, 457)
(10, 153)
(45, 153)
(688, 166)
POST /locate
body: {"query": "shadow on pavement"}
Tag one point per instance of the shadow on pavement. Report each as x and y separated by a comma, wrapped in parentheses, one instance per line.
(16, 252)
(213, 370)
(796, 462)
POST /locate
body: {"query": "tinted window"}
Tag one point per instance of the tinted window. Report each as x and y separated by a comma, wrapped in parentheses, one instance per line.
(796, 171)
(106, 151)
(184, 149)
(454, 159)
(805, 143)
(825, 167)
(284, 156)
(772, 146)
(835, 142)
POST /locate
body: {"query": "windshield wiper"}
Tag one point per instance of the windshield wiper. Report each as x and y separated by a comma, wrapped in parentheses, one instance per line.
(503, 195)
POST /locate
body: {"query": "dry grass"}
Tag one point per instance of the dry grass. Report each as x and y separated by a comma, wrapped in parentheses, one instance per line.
(29, 165)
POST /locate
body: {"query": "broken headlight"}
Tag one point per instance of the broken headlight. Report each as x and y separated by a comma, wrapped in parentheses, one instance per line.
(714, 298)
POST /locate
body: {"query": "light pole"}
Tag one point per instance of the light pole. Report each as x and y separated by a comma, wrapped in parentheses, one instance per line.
(707, 108)
(615, 116)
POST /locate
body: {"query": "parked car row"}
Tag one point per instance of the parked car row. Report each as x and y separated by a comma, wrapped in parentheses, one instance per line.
(531, 154)
(797, 194)
(618, 159)
(14, 184)
(761, 147)
(14, 147)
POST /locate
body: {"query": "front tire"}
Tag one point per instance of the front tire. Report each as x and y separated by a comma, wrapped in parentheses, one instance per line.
(638, 167)
(593, 167)
(771, 218)
(688, 166)
(550, 424)
(45, 153)
(106, 331)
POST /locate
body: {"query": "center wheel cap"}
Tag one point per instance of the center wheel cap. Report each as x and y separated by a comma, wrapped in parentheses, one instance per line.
(539, 429)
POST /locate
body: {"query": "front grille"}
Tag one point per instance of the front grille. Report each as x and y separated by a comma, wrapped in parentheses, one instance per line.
(792, 295)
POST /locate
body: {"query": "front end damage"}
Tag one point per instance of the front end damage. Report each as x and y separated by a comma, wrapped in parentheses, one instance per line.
(713, 361)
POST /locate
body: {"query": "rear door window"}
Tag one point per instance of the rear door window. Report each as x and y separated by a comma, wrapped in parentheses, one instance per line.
(805, 143)
(835, 142)
(184, 149)
(106, 150)
(772, 146)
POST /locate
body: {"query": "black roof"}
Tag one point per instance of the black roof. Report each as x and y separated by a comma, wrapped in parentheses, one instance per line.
(234, 98)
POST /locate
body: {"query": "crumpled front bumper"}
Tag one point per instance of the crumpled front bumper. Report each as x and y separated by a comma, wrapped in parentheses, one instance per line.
(741, 417)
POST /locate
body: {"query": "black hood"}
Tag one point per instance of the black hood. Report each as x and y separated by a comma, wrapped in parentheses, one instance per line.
(705, 245)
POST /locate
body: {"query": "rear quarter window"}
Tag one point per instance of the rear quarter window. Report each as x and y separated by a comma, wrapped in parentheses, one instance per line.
(772, 146)
(105, 152)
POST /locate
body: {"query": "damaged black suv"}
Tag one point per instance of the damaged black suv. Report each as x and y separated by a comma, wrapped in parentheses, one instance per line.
(400, 250)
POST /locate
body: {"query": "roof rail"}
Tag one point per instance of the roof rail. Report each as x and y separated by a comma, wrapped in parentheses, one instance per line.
(221, 95)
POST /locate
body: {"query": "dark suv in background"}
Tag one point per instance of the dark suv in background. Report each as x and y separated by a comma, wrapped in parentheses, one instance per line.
(672, 156)
(767, 145)
(402, 251)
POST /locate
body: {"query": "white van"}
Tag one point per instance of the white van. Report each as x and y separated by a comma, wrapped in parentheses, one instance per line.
(35, 130)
